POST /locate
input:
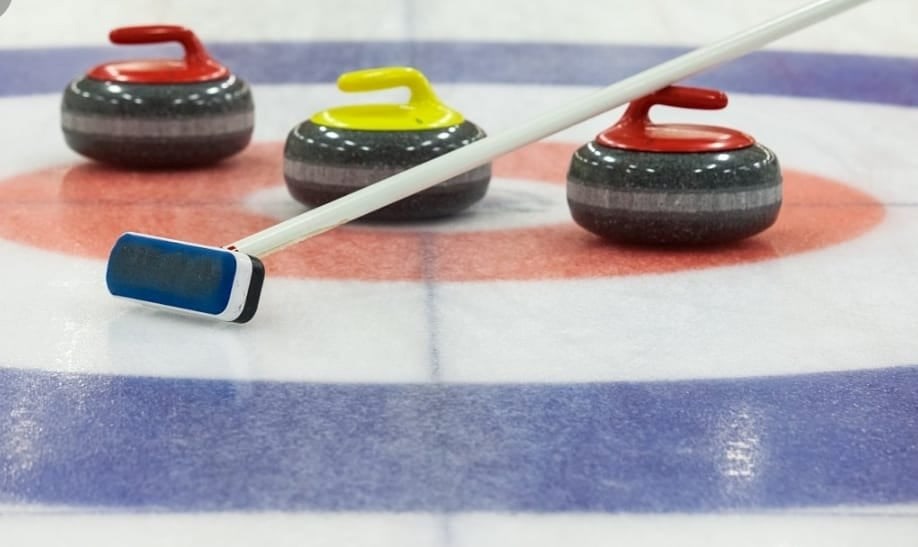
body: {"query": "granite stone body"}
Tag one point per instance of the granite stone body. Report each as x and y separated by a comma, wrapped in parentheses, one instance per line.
(157, 125)
(674, 198)
(322, 164)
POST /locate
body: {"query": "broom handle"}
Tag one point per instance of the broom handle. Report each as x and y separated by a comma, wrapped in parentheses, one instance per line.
(425, 175)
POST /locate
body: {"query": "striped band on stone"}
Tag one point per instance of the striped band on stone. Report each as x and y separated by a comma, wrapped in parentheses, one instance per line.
(673, 202)
(357, 177)
(204, 126)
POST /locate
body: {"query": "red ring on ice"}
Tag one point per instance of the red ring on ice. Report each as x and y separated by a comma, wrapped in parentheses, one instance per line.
(81, 209)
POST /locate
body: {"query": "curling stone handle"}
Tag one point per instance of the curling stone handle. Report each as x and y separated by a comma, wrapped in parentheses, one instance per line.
(688, 97)
(697, 98)
(156, 34)
(375, 79)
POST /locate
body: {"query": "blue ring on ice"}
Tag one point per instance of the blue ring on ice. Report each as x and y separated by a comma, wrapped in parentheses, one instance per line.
(831, 439)
(846, 77)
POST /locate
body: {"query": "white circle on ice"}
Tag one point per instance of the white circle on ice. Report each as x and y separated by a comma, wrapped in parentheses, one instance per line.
(58, 318)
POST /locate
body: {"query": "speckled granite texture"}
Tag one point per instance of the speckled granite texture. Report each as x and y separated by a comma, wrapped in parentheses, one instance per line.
(324, 163)
(674, 198)
(157, 125)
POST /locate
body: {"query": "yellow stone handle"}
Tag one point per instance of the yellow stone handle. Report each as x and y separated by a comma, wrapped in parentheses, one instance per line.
(422, 111)
(375, 79)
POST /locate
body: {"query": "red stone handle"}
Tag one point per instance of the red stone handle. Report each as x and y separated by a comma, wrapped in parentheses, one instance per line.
(635, 131)
(155, 34)
(697, 98)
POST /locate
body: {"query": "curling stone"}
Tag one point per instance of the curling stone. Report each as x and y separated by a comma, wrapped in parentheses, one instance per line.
(343, 149)
(646, 183)
(158, 113)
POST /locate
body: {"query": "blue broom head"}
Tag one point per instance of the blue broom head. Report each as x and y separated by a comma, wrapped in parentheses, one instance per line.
(185, 277)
